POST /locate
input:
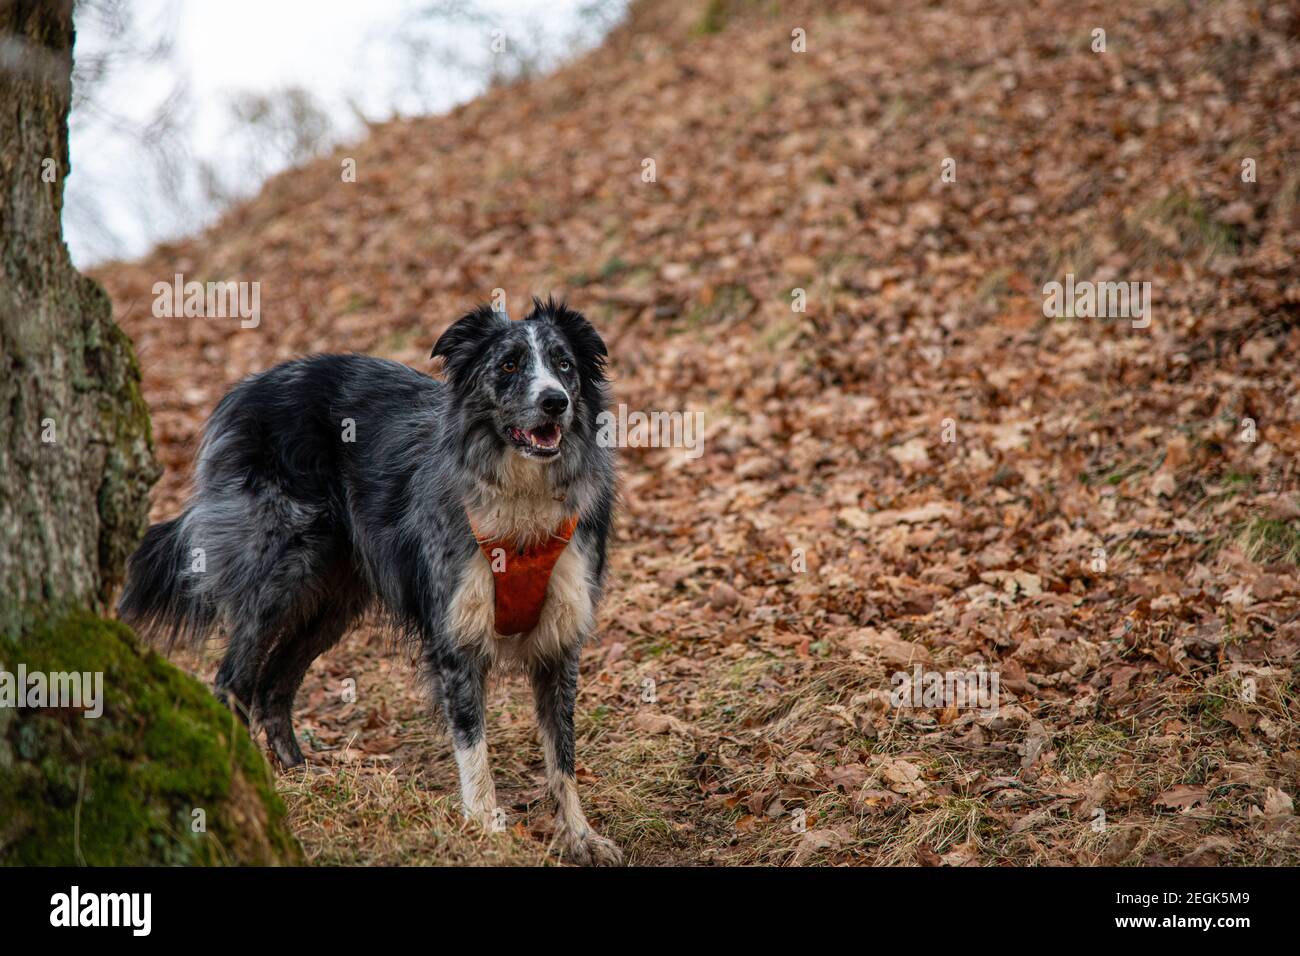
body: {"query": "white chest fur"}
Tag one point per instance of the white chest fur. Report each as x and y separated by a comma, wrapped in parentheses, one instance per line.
(524, 509)
(566, 615)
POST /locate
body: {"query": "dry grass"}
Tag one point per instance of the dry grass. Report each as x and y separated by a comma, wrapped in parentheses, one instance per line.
(767, 735)
(1270, 539)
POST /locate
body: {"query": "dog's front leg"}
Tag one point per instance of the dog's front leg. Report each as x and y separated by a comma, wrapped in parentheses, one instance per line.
(462, 684)
(555, 687)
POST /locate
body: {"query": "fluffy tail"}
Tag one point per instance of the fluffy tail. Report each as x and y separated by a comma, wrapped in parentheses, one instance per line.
(160, 600)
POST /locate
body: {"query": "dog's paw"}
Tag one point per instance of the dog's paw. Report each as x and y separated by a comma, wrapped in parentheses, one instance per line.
(287, 753)
(589, 848)
(490, 818)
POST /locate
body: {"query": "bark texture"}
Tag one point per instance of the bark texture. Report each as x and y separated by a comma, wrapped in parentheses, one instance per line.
(164, 774)
(76, 461)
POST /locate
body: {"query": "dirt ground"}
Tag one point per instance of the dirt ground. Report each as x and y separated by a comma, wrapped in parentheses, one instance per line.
(919, 468)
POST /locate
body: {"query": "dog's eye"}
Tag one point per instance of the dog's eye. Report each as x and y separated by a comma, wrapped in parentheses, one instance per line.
(509, 365)
(565, 365)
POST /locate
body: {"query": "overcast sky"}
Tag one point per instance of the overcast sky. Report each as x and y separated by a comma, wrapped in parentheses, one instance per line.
(375, 58)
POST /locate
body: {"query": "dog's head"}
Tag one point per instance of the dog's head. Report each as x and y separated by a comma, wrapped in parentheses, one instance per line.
(530, 383)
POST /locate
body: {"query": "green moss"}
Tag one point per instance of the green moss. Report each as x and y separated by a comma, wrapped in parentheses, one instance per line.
(129, 466)
(121, 789)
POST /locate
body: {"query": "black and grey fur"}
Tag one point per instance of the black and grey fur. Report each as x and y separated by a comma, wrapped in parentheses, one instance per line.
(330, 484)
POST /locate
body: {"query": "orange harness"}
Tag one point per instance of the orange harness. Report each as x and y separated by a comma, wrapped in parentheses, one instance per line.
(522, 576)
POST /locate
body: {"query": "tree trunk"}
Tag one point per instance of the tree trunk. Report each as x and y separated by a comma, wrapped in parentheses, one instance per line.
(75, 457)
(156, 771)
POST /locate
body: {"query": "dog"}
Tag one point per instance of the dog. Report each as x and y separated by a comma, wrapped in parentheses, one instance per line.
(328, 485)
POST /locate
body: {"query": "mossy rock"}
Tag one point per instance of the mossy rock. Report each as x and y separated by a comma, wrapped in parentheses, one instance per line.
(122, 788)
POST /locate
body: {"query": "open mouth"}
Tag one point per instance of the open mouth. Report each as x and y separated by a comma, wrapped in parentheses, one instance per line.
(543, 441)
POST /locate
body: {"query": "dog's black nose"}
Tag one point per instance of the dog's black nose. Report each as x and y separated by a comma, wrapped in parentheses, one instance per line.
(554, 401)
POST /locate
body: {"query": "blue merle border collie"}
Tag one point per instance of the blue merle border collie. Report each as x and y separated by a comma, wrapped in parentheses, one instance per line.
(331, 484)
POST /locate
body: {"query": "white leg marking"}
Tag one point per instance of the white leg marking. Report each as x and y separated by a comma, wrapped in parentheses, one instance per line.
(578, 842)
(478, 793)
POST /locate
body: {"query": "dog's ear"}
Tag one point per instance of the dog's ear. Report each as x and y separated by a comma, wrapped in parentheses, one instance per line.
(588, 347)
(465, 338)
